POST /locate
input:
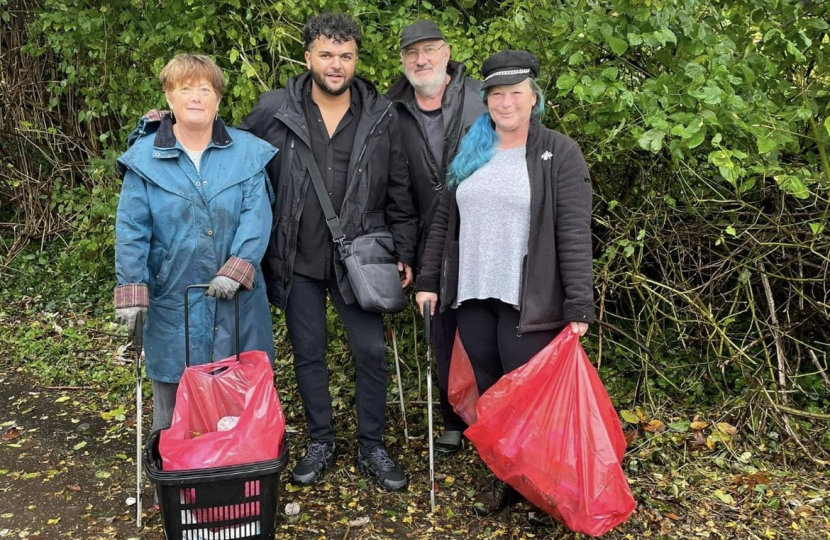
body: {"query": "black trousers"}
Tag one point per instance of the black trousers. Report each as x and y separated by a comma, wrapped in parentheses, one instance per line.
(443, 337)
(488, 330)
(305, 316)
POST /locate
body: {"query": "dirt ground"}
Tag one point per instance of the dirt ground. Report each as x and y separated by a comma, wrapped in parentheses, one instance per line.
(67, 470)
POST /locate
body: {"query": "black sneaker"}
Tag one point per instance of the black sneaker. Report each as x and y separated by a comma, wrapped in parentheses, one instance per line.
(378, 465)
(318, 458)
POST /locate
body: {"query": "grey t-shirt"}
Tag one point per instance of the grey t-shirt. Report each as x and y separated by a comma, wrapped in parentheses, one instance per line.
(434, 128)
(494, 206)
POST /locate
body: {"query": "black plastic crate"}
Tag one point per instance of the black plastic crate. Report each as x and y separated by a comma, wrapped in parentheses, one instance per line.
(224, 503)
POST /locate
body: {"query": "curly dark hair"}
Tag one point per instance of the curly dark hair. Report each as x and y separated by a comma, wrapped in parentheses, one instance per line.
(335, 26)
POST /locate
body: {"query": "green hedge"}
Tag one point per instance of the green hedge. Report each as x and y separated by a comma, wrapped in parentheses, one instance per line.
(705, 126)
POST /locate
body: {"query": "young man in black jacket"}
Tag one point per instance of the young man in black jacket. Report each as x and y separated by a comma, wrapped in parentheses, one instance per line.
(352, 133)
(436, 104)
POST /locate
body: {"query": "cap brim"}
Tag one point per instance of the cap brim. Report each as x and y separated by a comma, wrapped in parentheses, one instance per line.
(407, 42)
(505, 79)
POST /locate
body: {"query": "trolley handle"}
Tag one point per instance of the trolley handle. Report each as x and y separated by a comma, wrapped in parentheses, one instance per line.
(187, 320)
(427, 322)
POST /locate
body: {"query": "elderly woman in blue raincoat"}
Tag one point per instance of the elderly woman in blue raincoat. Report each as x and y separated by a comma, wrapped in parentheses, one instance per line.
(193, 209)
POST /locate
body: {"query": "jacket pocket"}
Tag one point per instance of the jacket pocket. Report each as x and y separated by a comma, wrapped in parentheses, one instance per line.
(373, 221)
(161, 281)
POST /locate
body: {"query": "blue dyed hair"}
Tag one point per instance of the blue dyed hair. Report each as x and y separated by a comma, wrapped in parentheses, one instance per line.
(479, 144)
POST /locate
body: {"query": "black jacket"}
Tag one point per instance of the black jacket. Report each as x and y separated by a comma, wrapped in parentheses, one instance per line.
(461, 105)
(557, 284)
(377, 196)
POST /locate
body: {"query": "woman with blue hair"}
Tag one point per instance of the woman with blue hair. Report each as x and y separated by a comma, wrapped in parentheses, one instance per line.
(510, 245)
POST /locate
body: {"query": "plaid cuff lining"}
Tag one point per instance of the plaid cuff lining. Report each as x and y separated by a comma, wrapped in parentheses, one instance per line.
(239, 270)
(131, 295)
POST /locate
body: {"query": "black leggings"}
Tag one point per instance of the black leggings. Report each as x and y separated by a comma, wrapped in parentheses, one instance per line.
(488, 330)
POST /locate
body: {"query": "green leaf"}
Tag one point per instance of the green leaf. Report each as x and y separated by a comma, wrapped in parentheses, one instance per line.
(789, 183)
(619, 46)
(680, 426)
(652, 140)
(817, 228)
(724, 497)
(730, 230)
(767, 143)
(827, 124)
(629, 416)
(566, 81)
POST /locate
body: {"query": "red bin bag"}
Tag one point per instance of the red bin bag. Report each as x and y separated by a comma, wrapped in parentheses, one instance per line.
(212, 392)
(462, 389)
(549, 430)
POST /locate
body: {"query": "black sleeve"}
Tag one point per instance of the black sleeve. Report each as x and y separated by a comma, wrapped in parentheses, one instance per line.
(573, 236)
(400, 210)
(260, 122)
(429, 275)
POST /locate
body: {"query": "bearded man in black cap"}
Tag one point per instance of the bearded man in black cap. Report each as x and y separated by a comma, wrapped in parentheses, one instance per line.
(436, 104)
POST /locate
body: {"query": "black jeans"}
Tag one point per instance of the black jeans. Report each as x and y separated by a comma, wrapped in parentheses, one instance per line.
(489, 331)
(443, 337)
(305, 316)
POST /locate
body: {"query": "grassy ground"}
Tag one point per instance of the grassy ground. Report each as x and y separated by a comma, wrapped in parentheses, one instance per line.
(67, 466)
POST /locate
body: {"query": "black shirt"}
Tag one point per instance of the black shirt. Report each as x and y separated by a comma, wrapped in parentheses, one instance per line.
(433, 122)
(315, 249)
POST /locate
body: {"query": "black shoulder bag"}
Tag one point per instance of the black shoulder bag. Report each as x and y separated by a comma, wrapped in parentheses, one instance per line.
(370, 262)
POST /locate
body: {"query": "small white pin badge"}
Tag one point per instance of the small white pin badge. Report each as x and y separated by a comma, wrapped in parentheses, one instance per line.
(546, 156)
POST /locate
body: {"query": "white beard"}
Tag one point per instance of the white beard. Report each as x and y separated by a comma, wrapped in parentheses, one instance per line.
(431, 86)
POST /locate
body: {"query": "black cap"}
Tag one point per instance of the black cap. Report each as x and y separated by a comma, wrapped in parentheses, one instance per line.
(509, 67)
(419, 31)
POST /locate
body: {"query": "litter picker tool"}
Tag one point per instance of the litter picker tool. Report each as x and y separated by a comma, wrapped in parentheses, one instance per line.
(428, 336)
(138, 343)
(400, 384)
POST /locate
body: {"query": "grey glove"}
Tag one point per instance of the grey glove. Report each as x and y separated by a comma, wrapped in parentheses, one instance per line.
(126, 316)
(223, 288)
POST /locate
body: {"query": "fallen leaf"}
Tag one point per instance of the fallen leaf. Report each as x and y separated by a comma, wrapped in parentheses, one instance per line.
(74, 487)
(630, 436)
(680, 426)
(726, 429)
(62, 399)
(11, 434)
(724, 497)
(80, 445)
(359, 522)
(292, 509)
(53, 521)
(641, 415)
(629, 416)
(698, 425)
(655, 426)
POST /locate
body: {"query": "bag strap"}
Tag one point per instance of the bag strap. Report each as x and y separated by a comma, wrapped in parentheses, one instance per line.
(332, 221)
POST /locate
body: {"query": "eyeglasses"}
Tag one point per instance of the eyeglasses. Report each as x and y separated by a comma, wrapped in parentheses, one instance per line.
(430, 53)
(203, 91)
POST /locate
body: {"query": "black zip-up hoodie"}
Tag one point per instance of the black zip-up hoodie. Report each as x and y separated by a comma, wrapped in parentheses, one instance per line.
(460, 106)
(557, 282)
(377, 196)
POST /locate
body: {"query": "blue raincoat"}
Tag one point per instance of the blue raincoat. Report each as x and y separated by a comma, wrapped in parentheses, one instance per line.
(177, 227)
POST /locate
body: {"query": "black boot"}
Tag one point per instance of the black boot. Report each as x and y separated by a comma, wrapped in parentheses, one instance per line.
(495, 497)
